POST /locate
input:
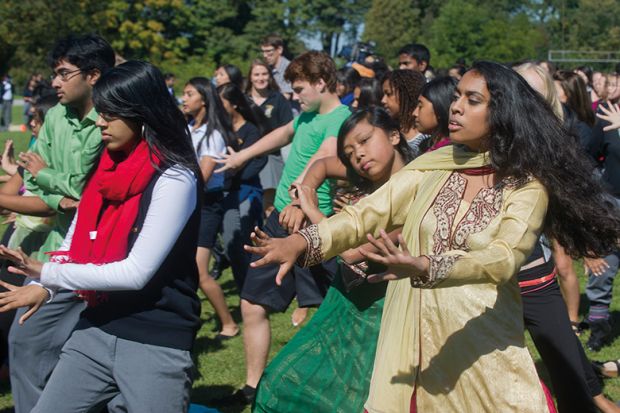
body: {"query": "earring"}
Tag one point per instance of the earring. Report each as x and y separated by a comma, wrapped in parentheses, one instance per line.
(143, 130)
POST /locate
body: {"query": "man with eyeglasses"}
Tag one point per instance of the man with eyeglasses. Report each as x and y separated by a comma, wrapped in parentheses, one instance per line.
(55, 171)
(272, 47)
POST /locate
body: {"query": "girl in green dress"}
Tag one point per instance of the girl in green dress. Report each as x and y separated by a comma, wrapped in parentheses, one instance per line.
(327, 366)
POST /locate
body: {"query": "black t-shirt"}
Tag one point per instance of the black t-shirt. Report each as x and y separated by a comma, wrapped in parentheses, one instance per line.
(247, 135)
(277, 110)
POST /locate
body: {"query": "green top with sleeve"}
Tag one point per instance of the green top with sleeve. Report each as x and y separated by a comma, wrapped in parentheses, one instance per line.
(311, 129)
(70, 148)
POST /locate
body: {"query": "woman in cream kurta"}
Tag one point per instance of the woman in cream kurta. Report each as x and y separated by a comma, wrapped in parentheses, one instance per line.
(457, 338)
(452, 328)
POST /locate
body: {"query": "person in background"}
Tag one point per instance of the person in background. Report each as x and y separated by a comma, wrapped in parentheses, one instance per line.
(367, 93)
(243, 200)
(587, 75)
(228, 74)
(31, 85)
(264, 91)
(457, 71)
(24, 231)
(432, 113)
(401, 89)
(605, 150)
(170, 80)
(578, 114)
(599, 85)
(211, 133)
(272, 47)
(348, 79)
(7, 102)
(414, 57)
(549, 66)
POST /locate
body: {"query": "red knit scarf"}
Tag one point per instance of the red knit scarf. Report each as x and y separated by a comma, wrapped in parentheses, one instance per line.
(109, 208)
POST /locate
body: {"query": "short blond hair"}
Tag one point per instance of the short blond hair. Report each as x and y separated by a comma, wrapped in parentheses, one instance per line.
(550, 94)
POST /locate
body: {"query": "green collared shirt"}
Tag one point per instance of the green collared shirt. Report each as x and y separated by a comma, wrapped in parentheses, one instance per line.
(70, 148)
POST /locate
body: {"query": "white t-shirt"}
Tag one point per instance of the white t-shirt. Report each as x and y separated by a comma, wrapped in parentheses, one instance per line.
(7, 92)
(212, 146)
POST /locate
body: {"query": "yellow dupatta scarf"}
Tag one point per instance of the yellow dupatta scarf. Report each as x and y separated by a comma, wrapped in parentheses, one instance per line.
(397, 358)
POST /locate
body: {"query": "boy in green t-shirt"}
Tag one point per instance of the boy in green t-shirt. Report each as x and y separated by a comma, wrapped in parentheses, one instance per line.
(313, 133)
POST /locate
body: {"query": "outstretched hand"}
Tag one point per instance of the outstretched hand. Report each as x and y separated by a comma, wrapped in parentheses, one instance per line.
(230, 160)
(24, 265)
(399, 261)
(281, 251)
(32, 296)
(611, 114)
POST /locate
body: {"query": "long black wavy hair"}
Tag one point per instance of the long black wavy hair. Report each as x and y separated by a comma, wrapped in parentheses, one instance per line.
(528, 140)
(379, 118)
(136, 91)
(246, 108)
(216, 118)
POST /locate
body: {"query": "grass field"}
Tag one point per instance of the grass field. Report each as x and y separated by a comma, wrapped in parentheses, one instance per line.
(220, 365)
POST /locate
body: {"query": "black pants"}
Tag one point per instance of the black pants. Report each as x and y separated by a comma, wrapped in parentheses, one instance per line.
(309, 284)
(572, 377)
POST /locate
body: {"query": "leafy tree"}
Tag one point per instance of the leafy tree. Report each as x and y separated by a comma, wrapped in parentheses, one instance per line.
(28, 29)
(593, 25)
(391, 24)
(330, 19)
(479, 31)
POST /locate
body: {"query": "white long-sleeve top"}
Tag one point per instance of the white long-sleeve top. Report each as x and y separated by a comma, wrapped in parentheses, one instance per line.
(172, 203)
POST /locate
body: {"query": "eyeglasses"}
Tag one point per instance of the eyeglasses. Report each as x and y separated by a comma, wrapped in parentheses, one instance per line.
(268, 51)
(64, 74)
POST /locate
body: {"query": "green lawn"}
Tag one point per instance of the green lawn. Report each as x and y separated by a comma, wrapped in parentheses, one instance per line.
(17, 115)
(220, 366)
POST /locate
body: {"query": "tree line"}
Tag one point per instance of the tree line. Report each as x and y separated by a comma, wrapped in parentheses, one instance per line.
(199, 34)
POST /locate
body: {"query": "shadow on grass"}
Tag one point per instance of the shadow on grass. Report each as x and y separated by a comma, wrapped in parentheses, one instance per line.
(206, 395)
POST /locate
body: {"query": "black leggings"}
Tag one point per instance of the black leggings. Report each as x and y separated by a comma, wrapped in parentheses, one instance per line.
(572, 376)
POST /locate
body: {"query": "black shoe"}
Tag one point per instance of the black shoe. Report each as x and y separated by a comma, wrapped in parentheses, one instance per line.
(244, 396)
(599, 334)
(583, 325)
(220, 262)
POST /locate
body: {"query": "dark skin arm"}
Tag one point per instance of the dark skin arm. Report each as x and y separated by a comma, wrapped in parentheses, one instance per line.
(11, 187)
(292, 217)
(27, 205)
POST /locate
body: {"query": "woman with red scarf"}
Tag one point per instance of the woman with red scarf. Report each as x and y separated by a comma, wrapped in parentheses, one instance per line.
(130, 254)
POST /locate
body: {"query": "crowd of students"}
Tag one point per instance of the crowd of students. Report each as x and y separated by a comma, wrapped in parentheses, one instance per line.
(431, 216)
